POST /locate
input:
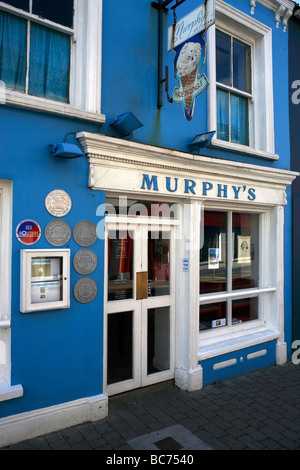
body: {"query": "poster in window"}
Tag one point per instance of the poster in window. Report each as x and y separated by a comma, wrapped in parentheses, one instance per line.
(244, 249)
(213, 258)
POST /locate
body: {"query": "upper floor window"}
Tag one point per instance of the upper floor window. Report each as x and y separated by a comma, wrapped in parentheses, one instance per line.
(50, 55)
(34, 55)
(240, 70)
(234, 88)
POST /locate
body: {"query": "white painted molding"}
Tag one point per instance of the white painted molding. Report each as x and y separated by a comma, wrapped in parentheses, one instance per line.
(30, 425)
(8, 392)
(282, 9)
(105, 151)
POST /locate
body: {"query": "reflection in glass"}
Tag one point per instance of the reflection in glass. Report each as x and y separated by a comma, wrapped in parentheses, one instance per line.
(120, 265)
(244, 310)
(245, 269)
(213, 254)
(223, 58)
(119, 347)
(158, 264)
(158, 340)
(212, 315)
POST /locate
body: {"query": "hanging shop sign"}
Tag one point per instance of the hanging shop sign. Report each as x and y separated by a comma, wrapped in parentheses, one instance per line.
(28, 232)
(186, 39)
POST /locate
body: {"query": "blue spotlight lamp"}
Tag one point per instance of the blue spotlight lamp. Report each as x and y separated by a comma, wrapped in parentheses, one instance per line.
(202, 140)
(125, 124)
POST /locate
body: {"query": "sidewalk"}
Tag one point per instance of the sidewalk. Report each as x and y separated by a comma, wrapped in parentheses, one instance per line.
(259, 411)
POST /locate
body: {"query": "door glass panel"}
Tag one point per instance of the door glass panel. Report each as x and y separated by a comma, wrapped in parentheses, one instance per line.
(119, 347)
(158, 344)
(158, 263)
(213, 254)
(245, 268)
(120, 265)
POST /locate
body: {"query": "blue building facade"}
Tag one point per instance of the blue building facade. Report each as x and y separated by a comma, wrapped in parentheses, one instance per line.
(160, 248)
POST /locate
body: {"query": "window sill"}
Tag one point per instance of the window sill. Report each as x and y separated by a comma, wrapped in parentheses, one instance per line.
(223, 144)
(234, 341)
(9, 393)
(35, 103)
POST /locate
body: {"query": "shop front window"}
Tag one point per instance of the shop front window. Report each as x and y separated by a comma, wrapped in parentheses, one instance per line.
(229, 268)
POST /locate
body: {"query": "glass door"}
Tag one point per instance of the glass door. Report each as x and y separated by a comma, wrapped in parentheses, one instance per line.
(139, 307)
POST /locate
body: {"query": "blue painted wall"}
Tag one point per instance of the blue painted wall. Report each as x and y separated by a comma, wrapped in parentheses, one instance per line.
(56, 355)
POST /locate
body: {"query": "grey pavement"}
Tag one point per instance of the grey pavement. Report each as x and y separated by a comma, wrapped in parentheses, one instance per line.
(258, 411)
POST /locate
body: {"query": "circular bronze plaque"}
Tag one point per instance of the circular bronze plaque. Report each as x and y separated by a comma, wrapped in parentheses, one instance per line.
(85, 290)
(85, 233)
(58, 233)
(85, 262)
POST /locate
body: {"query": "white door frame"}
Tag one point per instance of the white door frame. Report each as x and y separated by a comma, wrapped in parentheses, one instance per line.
(140, 226)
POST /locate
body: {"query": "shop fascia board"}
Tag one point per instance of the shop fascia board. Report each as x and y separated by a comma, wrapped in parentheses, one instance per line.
(106, 151)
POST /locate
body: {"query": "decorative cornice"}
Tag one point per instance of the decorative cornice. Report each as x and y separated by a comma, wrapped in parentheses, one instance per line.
(283, 9)
(102, 150)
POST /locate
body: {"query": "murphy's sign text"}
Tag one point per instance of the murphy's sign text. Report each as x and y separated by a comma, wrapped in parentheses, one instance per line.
(190, 187)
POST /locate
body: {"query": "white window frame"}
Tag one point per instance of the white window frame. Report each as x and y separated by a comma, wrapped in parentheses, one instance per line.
(231, 90)
(6, 390)
(269, 325)
(259, 36)
(86, 63)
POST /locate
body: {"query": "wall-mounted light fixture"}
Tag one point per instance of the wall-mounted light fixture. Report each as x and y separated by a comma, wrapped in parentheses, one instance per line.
(125, 124)
(66, 150)
(202, 140)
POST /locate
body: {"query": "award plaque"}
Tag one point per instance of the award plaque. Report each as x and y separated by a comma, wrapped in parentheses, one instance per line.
(85, 233)
(58, 233)
(58, 203)
(85, 262)
(85, 290)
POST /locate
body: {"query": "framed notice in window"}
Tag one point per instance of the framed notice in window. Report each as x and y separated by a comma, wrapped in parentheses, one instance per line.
(45, 280)
(244, 249)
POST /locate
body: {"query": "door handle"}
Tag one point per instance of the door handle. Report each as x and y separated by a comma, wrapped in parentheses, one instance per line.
(141, 286)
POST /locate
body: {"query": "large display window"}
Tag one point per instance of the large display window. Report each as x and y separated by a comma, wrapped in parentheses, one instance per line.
(229, 267)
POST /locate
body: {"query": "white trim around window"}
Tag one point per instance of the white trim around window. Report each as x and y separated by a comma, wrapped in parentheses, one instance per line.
(7, 392)
(86, 65)
(247, 29)
(270, 323)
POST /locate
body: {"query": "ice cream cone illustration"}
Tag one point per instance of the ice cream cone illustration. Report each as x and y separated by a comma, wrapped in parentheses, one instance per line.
(187, 70)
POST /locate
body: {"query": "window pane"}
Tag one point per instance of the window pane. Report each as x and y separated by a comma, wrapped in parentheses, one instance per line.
(244, 310)
(57, 11)
(212, 315)
(241, 66)
(120, 266)
(158, 340)
(158, 263)
(213, 254)
(119, 347)
(239, 119)
(22, 4)
(13, 45)
(222, 115)
(49, 67)
(223, 58)
(245, 269)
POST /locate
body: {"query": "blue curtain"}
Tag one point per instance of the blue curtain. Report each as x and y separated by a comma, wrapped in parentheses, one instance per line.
(13, 47)
(239, 119)
(49, 67)
(222, 115)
